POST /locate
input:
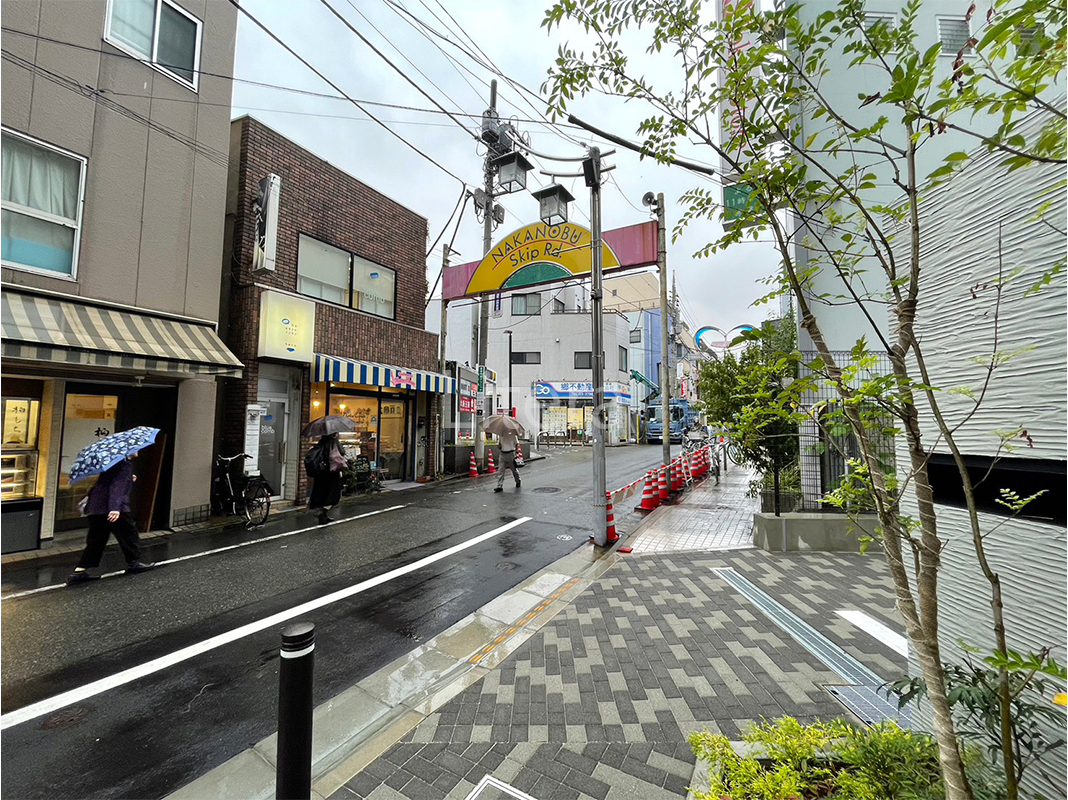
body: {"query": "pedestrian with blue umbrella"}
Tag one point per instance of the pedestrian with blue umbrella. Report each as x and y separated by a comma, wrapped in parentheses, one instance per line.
(108, 503)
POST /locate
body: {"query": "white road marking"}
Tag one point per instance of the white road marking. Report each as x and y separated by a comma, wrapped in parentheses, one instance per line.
(895, 641)
(65, 699)
(50, 587)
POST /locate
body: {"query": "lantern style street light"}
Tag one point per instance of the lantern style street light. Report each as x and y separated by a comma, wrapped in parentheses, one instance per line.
(552, 204)
(512, 169)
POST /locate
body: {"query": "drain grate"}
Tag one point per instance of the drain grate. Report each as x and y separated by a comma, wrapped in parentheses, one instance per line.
(870, 704)
(505, 565)
(851, 670)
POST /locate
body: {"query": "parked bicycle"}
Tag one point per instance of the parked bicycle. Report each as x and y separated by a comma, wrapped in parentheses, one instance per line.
(234, 493)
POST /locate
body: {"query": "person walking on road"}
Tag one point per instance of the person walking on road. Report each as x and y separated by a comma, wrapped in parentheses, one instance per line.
(508, 441)
(108, 508)
(326, 476)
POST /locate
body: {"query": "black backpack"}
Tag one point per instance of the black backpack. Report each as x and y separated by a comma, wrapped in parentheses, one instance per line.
(316, 462)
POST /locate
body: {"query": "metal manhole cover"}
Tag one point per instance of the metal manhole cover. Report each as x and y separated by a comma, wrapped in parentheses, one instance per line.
(505, 565)
(546, 490)
(563, 537)
(67, 718)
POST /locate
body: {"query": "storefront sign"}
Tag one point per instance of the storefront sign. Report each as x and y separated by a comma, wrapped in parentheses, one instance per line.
(402, 379)
(537, 253)
(548, 390)
(253, 414)
(287, 327)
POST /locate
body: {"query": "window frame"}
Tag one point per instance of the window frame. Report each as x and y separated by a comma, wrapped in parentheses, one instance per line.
(969, 52)
(525, 361)
(872, 18)
(352, 289)
(151, 59)
(45, 216)
(312, 297)
(559, 307)
(624, 359)
(636, 332)
(526, 305)
(588, 354)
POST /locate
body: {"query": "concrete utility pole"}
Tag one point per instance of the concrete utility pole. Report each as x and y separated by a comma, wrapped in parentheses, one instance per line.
(439, 461)
(483, 313)
(665, 345)
(592, 170)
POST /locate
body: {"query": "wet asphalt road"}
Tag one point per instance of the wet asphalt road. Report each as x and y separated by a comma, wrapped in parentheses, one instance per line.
(151, 736)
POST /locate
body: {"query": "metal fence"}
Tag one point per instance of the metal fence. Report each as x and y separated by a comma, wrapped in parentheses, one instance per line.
(826, 442)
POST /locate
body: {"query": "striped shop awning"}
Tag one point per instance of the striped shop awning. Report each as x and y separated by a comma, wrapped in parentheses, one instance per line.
(69, 331)
(369, 373)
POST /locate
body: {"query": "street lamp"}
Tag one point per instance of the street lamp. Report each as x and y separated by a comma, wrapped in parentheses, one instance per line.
(512, 169)
(552, 204)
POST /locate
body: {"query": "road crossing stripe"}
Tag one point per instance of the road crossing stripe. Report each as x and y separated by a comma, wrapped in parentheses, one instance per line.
(65, 699)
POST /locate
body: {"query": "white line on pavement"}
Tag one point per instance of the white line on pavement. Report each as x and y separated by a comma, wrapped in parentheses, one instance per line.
(50, 587)
(65, 699)
(895, 641)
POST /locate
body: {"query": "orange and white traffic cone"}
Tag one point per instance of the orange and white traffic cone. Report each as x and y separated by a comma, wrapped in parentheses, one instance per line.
(519, 454)
(649, 499)
(472, 468)
(663, 483)
(490, 466)
(610, 520)
(673, 477)
(687, 471)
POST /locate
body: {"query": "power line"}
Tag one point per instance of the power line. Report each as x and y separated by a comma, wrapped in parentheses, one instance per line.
(338, 89)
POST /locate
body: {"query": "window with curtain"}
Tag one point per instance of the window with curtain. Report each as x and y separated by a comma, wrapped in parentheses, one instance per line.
(41, 206)
(525, 305)
(323, 271)
(160, 32)
(374, 287)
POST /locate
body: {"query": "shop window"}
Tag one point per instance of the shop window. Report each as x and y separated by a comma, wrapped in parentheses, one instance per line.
(374, 287)
(623, 360)
(18, 473)
(41, 206)
(86, 418)
(526, 305)
(160, 32)
(363, 439)
(526, 358)
(323, 271)
(583, 359)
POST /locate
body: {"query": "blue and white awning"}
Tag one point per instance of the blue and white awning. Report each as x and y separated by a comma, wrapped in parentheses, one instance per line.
(368, 373)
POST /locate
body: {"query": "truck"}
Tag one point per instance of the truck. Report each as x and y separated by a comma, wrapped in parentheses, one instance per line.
(683, 417)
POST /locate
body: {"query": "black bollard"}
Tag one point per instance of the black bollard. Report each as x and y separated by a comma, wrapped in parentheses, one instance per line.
(293, 771)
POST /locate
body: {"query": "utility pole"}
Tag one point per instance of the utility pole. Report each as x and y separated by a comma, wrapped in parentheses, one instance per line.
(665, 346)
(439, 461)
(591, 169)
(483, 313)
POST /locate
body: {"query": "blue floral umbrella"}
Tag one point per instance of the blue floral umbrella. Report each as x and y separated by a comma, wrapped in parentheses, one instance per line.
(105, 453)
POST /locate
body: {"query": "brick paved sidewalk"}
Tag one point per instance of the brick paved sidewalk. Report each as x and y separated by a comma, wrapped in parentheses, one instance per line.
(598, 703)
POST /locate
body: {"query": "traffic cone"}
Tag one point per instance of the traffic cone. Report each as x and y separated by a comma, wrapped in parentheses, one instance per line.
(610, 520)
(490, 467)
(519, 454)
(649, 499)
(673, 476)
(472, 468)
(663, 483)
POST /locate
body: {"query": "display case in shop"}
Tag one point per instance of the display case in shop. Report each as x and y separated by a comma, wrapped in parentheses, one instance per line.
(21, 507)
(18, 475)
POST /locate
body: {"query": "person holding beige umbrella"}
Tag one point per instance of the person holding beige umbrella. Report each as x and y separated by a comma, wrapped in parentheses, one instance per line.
(509, 430)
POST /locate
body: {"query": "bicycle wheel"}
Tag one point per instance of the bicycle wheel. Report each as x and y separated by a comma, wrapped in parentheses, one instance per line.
(257, 504)
(734, 453)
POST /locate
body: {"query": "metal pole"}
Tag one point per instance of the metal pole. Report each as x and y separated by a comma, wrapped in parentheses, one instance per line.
(665, 346)
(440, 461)
(600, 520)
(293, 770)
(509, 372)
(483, 314)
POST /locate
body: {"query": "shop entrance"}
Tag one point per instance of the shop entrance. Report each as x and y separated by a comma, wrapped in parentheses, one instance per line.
(381, 433)
(92, 411)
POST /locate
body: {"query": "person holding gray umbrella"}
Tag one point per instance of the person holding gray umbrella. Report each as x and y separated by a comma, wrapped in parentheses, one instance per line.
(508, 429)
(107, 505)
(325, 462)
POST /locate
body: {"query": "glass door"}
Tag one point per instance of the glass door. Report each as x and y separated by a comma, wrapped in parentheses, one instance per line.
(272, 455)
(86, 418)
(393, 431)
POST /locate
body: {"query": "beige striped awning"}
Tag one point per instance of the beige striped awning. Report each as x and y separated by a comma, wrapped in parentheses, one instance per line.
(69, 331)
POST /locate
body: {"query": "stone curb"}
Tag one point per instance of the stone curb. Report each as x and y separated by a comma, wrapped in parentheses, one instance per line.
(394, 700)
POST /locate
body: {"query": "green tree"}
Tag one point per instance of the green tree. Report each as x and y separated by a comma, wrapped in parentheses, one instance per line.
(795, 151)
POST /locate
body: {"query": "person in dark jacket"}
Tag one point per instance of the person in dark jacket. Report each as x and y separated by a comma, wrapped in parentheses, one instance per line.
(108, 509)
(326, 486)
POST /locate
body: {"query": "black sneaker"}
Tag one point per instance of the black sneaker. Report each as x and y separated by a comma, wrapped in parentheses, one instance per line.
(518, 484)
(139, 566)
(325, 518)
(81, 577)
(499, 489)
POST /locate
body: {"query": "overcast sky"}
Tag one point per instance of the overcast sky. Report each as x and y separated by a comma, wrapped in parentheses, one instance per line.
(717, 291)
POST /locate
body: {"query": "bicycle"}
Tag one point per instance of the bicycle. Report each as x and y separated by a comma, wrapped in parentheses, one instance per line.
(240, 494)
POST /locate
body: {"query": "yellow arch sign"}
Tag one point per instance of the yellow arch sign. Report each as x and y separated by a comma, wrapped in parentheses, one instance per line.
(537, 253)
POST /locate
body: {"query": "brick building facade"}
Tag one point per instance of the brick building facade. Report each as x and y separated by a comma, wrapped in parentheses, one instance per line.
(363, 350)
